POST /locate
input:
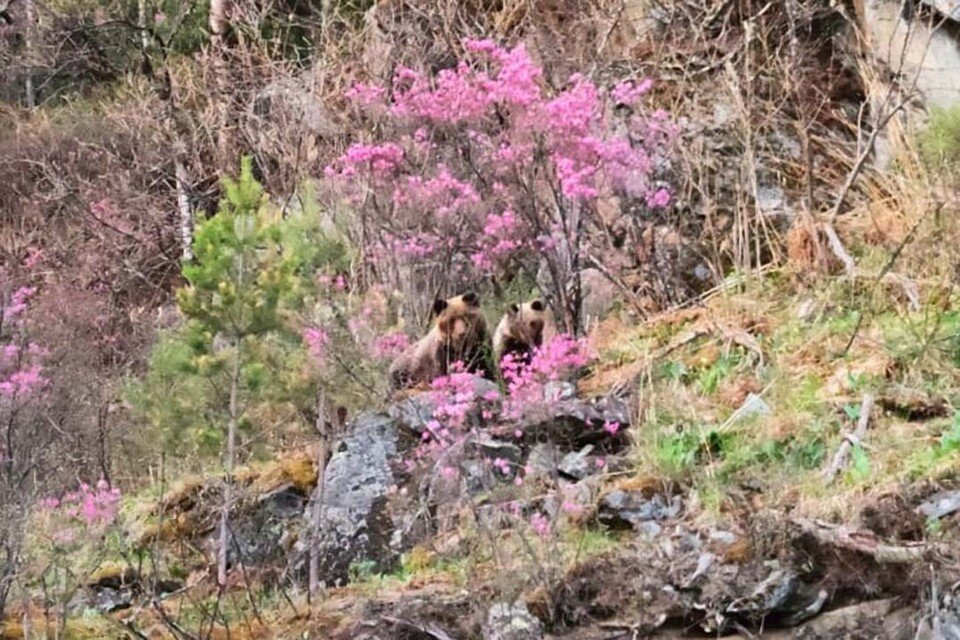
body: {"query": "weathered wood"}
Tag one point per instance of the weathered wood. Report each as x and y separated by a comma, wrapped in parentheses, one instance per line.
(839, 461)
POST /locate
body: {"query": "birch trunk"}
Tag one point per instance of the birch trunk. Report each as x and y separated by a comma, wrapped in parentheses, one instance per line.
(29, 42)
(228, 468)
(142, 23)
(183, 206)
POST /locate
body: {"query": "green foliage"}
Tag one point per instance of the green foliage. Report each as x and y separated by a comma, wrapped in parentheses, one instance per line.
(238, 273)
(247, 286)
(860, 469)
(945, 450)
(940, 141)
(709, 378)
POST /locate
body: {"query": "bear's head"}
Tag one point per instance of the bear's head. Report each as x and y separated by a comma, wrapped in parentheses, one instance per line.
(525, 322)
(459, 322)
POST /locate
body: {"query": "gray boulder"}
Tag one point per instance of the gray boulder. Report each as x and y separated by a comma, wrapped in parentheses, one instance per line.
(512, 622)
(356, 525)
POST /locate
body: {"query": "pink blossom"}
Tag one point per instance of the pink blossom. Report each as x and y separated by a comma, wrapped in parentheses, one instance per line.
(466, 153)
(82, 513)
(611, 427)
(571, 507)
(34, 255)
(449, 473)
(658, 199)
(365, 94)
(526, 382)
(316, 341)
(540, 524)
(628, 93)
(390, 345)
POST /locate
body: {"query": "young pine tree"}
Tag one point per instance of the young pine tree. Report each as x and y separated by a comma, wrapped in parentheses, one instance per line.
(235, 286)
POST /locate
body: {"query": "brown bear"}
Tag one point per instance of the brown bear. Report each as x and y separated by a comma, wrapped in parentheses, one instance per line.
(520, 331)
(459, 334)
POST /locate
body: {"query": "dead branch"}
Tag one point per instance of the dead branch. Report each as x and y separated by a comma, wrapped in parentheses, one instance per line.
(840, 251)
(840, 458)
(865, 542)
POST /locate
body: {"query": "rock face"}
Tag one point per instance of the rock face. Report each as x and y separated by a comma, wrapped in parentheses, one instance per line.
(625, 509)
(512, 622)
(928, 55)
(356, 524)
(262, 537)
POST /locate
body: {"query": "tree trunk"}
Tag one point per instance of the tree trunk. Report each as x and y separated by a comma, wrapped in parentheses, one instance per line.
(316, 514)
(142, 23)
(228, 467)
(219, 21)
(29, 45)
(183, 205)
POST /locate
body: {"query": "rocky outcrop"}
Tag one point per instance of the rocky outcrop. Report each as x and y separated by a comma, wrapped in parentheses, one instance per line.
(356, 525)
(512, 622)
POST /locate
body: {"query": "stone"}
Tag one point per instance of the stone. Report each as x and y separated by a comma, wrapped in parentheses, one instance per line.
(577, 422)
(923, 53)
(722, 537)
(356, 525)
(107, 599)
(512, 622)
(941, 504)
(414, 411)
(599, 296)
(770, 595)
(559, 390)
(947, 8)
(578, 465)
(261, 534)
(491, 449)
(752, 407)
(621, 509)
(543, 459)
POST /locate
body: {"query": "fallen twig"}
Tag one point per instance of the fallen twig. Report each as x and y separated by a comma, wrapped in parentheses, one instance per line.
(843, 452)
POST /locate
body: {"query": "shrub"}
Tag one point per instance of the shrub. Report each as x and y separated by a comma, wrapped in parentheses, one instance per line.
(482, 171)
(940, 141)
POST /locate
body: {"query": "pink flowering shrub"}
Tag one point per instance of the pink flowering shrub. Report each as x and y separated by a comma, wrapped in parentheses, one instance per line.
(20, 360)
(528, 384)
(316, 341)
(458, 410)
(461, 407)
(67, 540)
(482, 169)
(82, 514)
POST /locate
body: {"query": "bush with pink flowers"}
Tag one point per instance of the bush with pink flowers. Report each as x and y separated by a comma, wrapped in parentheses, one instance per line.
(482, 169)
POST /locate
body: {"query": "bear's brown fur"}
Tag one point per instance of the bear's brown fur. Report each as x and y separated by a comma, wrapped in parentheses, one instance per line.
(459, 334)
(520, 331)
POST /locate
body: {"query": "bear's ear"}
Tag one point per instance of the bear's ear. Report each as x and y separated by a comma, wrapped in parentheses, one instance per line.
(513, 309)
(471, 299)
(537, 305)
(438, 306)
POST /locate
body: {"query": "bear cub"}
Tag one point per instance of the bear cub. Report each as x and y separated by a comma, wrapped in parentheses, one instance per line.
(520, 331)
(459, 333)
